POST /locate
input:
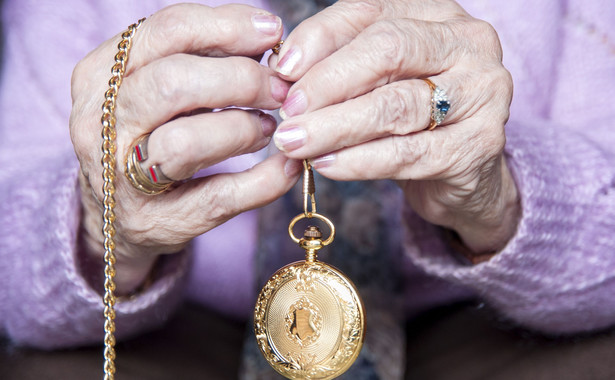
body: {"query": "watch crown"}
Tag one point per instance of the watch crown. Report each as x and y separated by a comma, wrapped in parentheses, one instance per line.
(312, 232)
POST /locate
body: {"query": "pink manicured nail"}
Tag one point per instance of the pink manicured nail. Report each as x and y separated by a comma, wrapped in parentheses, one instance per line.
(279, 89)
(266, 23)
(292, 168)
(288, 139)
(323, 161)
(268, 124)
(288, 62)
(294, 105)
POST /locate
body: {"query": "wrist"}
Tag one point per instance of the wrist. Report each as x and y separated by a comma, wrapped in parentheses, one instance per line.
(132, 271)
(489, 231)
(131, 275)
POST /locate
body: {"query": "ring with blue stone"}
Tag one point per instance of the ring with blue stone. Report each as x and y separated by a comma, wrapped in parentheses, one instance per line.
(440, 105)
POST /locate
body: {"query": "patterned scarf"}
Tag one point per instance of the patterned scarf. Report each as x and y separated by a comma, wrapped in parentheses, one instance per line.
(366, 248)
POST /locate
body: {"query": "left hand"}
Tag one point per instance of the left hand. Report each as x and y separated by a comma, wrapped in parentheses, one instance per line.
(360, 109)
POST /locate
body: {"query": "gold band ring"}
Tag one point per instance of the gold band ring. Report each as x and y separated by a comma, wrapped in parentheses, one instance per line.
(152, 181)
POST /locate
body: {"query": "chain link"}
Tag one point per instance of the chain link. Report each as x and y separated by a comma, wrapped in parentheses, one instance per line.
(108, 165)
(309, 190)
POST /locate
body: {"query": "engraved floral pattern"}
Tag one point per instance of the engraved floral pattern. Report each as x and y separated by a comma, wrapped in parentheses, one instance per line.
(303, 322)
(300, 364)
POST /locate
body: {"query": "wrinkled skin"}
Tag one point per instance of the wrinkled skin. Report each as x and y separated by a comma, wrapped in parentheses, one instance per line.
(185, 61)
(359, 107)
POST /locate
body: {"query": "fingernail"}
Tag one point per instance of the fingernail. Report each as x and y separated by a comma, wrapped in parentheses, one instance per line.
(292, 168)
(268, 124)
(323, 161)
(289, 61)
(296, 104)
(279, 89)
(266, 23)
(289, 138)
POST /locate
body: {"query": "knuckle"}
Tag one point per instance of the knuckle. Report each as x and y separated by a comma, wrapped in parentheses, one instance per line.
(499, 85)
(135, 228)
(504, 87)
(343, 20)
(169, 22)
(247, 132)
(375, 7)
(165, 78)
(253, 80)
(247, 74)
(77, 77)
(487, 143)
(178, 144)
(370, 9)
(406, 152)
(393, 110)
(217, 202)
(83, 148)
(499, 142)
(495, 141)
(485, 35)
(313, 30)
(386, 41)
(226, 33)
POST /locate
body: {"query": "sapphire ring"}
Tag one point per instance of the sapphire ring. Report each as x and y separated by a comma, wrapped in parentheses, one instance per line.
(440, 105)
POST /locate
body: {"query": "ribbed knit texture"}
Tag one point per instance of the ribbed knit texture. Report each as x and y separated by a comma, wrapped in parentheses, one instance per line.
(557, 274)
(45, 301)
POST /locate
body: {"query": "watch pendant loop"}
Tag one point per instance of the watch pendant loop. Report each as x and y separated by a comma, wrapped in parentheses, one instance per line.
(314, 215)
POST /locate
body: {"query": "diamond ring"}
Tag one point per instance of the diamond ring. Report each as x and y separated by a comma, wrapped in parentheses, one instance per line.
(439, 105)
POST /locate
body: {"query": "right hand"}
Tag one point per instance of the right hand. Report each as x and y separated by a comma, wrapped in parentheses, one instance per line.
(185, 61)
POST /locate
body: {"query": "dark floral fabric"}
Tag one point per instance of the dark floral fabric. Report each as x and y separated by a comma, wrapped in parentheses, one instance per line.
(366, 248)
(295, 11)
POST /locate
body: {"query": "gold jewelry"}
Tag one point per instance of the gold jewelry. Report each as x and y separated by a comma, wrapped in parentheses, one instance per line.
(108, 162)
(439, 105)
(277, 47)
(309, 319)
(154, 181)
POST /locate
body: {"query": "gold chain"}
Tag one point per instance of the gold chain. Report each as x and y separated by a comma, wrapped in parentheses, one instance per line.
(108, 162)
(309, 190)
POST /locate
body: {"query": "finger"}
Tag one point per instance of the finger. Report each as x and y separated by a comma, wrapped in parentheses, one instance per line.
(227, 30)
(430, 155)
(272, 61)
(398, 108)
(384, 52)
(322, 34)
(172, 85)
(201, 204)
(327, 31)
(182, 28)
(185, 145)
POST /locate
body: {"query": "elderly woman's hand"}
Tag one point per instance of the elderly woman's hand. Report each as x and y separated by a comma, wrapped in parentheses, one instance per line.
(186, 60)
(360, 109)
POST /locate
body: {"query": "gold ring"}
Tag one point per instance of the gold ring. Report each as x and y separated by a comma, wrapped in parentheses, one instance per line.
(153, 181)
(440, 105)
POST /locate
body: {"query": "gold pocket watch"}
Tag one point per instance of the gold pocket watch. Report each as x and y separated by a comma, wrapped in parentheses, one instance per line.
(309, 319)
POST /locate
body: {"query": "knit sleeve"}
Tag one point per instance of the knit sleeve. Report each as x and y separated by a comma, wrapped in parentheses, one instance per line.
(557, 274)
(45, 301)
